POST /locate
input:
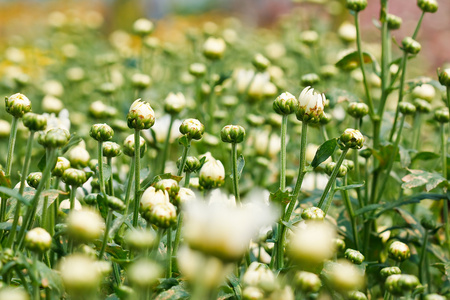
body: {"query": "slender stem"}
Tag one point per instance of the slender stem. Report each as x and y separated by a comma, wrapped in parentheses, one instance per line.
(416, 131)
(111, 179)
(169, 252)
(400, 94)
(351, 214)
(73, 191)
(385, 55)
(36, 288)
(45, 208)
(357, 174)
(332, 178)
(137, 170)
(100, 167)
(235, 172)
(416, 31)
(105, 235)
(166, 145)
(422, 258)
(283, 153)
(444, 174)
(128, 189)
(301, 170)
(330, 198)
(211, 102)
(183, 158)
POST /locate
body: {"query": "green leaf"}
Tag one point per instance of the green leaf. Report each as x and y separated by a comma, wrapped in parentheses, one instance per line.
(240, 166)
(50, 278)
(280, 197)
(4, 180)
(350, 186)
(419, 178)
(425, 156)
(151, 181)
(107, 172)
(351, 60)
(74, 140)
(412, 222)
(14, 194)
(368, 208)
(184, 141)
(175, 293)
(325, 150)
(42, 163)
(405, 158)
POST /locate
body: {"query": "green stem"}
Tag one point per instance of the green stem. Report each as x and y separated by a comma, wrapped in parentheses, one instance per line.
(416, 31)
(416, 131)
(235, 172)
(444, 174)
(211, 102)
(45, 208)
(301, 170)
(332, 178)
(137, 170)
(385, 54)
(105, 236)
(36, 289)
(111, 179)
(169, 252)
(128, 189)
(183, 158)
(330, 198)
(283, 153)
(422, 266)
(351, 214)
(100, 167)
(400, 93)
(357, 174)
(166, 145)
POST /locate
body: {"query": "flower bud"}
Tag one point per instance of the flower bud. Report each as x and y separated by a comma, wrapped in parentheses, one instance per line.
(54, 138)
(444, 77)
(252, 293)
(411, 46)
(428, 222)
(5, 129)
(339, 244)
(351, 138)
(62, 164)
(78, 156)
(212, 174)
(192, 128)
(422, 106)
(140, 81)
(139, 239)
(101, 132)
(128, 146)
(143, 27)
(356, 295)
(255, 120)
(307, 282)
(311, 106)
(347, 32)
(90, 199)
(274, 120)
(354, 256)
(140, 115)
(313, 213)
(309, 37)
(74, 177)
(428, 6)
(197, 69)
(349, 164)
(115, 203)
(34, 122)
(111, 149)
(442, 115)
(33, 179)
(393, 22)
(17, 105)
(401, 284)
(170, 186)
(388, 271)
(356, 5)
(365, 153)
(214, 48)
(330, 168)
(186, 195)
(259, 275)
(79, 274)
(357, 109)
(285, 104)
(398, 251)
(309, 79)
(434, 297)
(51, 104)
(107, 88)
(260, 62)
(38, 240)
(407, 108)
(150, 198)
(163, 215)
(233, 134)
(425, 91)
(64, 207)
(192, 164)
(174, 103)
(144, 273)
(325, 119)
(85, 225)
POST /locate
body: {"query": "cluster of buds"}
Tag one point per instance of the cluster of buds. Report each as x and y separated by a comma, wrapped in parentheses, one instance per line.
(212, 173)
(156, 208)
(351, 138)
(101, 132)
(193, 129)
(17, 105)
(233, 134)
(141, 115)
(401, 284)
(34, 122)
(285, 104)
(310, 106)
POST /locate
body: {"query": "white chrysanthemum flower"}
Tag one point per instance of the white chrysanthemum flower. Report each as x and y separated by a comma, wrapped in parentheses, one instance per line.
(60, 121)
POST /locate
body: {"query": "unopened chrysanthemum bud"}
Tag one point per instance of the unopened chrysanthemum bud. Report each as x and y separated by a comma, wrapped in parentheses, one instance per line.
(192, 164)
(285, 104)
(62, 164)
(345, 277)
(365, 153)
(401, 284)
(38, 240)
(444, 77)
(407, 108)
(434, 297)
(150, 198)
(140, 115)
(186, 195)
(354, 256)
(429, 6)
(260, 62)
(163, 215)
(309, 37)
(252, 293)
(85, 225)
(393, 22)
(313, 213)
(64, 207)
(233, 134)
(339, 244)
(17, 105)
(329, 168)
(115, 203)
(78, 156)
(212, 174)
(54, 138)
(309, 79)
(51, 104)
(214, 48)
(356, 5)
(425, 91)
(143, 26)
(357, 109)
(144, 273)
(399, 251)
(310, 106)
(351, 138)
(74, 177)
(349, 164)
(411, 46)
(428, 222)
(192, 128)
(107, 88)
(139, 239)
(34, 122)
(255, 120)
(101, 132)
(79, 274)
(308, 282)
(90, 199)
(347, 32)
(356, 295)
(170, 186)
(422, 106)
(388, 271)
(141, 81)
(34, 178)
(174, 103)
(442, 115)
(259, 275)
(274, 120)
(197, 69)
(128, 146)
(325, 119)
(111, 149)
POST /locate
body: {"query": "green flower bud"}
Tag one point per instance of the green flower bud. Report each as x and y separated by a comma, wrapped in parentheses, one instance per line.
(192, 164)
(310, 106)
(212, 174)
(330, 167)
(339, 244)
(144, 274)
(213, 48)
(115, 203)
(285, 104)
(140, 115)
(233, 134)
(354, 256)
(428, 222)
(357, 109)
(349, 164)
(139, 239)
(128, 146)
(357, 295)
(171, 187)
(325, 118)
(366, 153)
(98, 109)
(442, 115)
(62, 164)
(163, 215)
(307, 282)
(313, 213)
(90, 199)
(111, 149)
(407, 108)
(388, 271)
(38, 240)
(140, 81)
(401, 284)
(422, 106)
(74, 177)
(309, 79)
(17, 105)
(101, 132)
(107, 88)
(260, 62)
(411, 46)
(356, 5)
(444, 77)
(197, 69)
(351, 138)
(398, 251)
(143, 27)
(255, 120)
(54, 138)
(393, 22)
(34, 122)
(34, 178)
(192, 128)
(174, 103)
(434, 297)
(79, 157)
(428, 6)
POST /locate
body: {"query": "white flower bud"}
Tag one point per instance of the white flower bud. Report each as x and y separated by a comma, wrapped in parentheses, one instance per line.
(140, 115)
(311, 105)
(17, 105)
(186, 195)
(51, 104)
(143, 26)
(152, 197)
(64, 207)
(78, 157)
(141, 81)
(75, 74)
(309, 37)
(425, 92)
(214, 48)
(85, 225)
(345, 276)
(79, 274)
(174, 103)
(5, 128)
(259, 275)
(347, 32)
(38, 240)
(53, 88)
(144, 273)
(212, 174)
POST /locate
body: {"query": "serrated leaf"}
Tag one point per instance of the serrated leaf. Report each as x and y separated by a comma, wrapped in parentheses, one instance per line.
(324, 152)
(419, 178)
(350, 186)
(14, 194)
(281, 197)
